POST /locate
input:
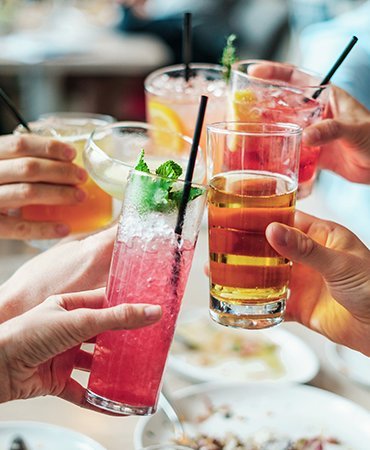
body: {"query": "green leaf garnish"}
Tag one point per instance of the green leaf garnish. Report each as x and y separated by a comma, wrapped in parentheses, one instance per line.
(157, 194)
(229, 55)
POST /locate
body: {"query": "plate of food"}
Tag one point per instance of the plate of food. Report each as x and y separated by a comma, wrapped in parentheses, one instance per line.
(242, 416)
(205, 351)
(352, 364)
(43, 436)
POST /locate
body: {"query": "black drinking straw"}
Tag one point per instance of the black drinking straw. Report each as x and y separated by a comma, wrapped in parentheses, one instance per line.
(191, 165)
(186, 45)
(14, 110)
(186, 191)
(337, 63)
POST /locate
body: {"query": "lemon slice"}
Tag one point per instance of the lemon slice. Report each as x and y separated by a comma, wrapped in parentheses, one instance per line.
(164, 118)
(244, 106)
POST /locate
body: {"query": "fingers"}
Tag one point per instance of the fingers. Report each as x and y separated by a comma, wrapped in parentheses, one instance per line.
(40, 170)
(271, 71)
(15, 228)
(298, 247)
(88, 299)
(12, 146)
(21, 194)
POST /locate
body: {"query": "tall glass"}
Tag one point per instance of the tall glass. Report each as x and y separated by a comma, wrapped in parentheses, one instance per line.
(172, 102)
(248, 280)
(96, 211)
(150, 264)
(112, 151)
(270, 92)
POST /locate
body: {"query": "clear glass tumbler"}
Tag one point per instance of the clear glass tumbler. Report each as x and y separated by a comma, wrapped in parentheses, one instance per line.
(248, 280)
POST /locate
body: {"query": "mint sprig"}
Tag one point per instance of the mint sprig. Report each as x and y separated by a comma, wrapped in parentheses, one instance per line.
(229, 57)
(158, 194)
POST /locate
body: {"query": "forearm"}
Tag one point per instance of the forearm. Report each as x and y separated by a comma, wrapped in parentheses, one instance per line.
(5, 385)
(11, 303)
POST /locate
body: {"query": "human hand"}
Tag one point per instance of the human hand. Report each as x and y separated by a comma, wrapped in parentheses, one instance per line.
(330, 279)
(39, 349)
(73, 266)
(36, 170)
(344, 137)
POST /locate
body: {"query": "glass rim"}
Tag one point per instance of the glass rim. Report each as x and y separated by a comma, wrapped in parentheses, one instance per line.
(302, 70)
(77, 115)
(139, 125)
(178, 67)
(277, 129)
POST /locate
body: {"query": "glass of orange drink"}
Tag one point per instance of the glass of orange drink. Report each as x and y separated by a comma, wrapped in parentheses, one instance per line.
(172, 102)
(96, 211)
(249, 281)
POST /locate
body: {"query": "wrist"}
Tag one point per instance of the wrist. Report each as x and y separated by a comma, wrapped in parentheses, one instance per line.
(10, 301)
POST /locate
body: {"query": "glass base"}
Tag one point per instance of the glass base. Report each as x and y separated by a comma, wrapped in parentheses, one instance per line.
(43, 244)
(305, 189)
(117, 407)
(252, 316)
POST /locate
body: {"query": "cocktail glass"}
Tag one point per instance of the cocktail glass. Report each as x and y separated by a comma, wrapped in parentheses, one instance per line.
(172, 102)
(150, 264)
(96, 211)
(248, 279)
(270, 92)
(109, 164)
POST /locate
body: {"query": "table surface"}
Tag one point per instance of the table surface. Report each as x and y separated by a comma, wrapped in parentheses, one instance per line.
(117, 433)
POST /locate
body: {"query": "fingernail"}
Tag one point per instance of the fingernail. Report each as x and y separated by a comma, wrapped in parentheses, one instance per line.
(281, 235)
(80, 195)
(69, 153)
(61, 229)
(82, 174)
(311, 135)
(152, 313)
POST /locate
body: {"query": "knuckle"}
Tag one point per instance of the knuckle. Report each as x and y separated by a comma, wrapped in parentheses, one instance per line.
(22, 230)
(29, 168)
(28, 191)
(332, 129)
(127, 315)
(306, 245)
(50, 148)
(19, 145)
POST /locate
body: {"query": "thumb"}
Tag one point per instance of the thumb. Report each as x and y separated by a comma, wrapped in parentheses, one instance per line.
(330, 129)
(298, 247)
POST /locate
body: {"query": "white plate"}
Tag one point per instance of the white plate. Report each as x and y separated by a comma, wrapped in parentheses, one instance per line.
(44, 436)
(354, 365)
(292, 360)
(291, 411)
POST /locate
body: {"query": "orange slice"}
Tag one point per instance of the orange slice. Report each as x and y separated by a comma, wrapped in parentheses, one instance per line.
(164, 118)
(244, 106)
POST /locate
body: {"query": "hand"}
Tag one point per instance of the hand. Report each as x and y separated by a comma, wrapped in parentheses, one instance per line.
(344, 137)
(36, 170)
(39, 349)
(330, 280)
(73, 266)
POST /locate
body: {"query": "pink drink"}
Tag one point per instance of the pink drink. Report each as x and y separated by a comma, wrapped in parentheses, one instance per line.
(128, 365)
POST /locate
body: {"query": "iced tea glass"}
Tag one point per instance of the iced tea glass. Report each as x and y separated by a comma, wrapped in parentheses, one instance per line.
(150, 264)
(172, 102)
(249, 281)
(96, 211)
(265, 91)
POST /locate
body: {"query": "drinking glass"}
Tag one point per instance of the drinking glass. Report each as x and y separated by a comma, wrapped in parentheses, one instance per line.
(253, 185)
(96, 211)
(112, 151)
(173, 103)
(265, 91)
(150, 264)
(166, 447)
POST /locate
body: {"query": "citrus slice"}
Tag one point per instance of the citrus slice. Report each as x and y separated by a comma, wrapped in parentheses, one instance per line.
(164, 118)
(244, 106)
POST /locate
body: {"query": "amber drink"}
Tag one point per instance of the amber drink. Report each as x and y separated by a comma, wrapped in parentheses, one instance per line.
(249, 281)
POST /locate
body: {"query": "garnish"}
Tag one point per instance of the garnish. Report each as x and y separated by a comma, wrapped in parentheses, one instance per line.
(158, 194)
(229, 55)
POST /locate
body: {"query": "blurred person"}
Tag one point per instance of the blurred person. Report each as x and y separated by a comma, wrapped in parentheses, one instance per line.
(213, 21)
(40, 348)
(36, 170)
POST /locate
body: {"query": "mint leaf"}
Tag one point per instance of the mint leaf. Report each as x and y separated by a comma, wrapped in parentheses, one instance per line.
(141, 165)
(228, 57)
(176, 196)
(170, 170)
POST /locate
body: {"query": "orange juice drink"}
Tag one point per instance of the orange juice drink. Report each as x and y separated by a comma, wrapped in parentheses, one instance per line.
(96, 211)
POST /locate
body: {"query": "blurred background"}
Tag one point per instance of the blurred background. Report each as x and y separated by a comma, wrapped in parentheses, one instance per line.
(93, 55)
